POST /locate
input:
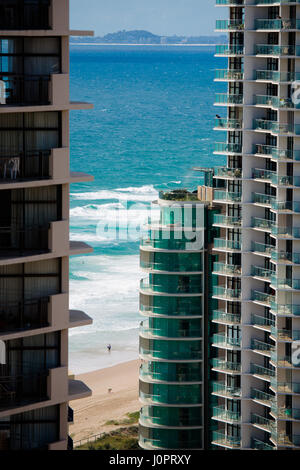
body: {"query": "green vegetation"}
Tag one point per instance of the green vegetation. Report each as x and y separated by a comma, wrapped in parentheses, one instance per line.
(132, 418)
(179, 195)
(122, 439)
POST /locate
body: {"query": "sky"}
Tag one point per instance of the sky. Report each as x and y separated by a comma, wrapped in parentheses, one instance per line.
(162, 17)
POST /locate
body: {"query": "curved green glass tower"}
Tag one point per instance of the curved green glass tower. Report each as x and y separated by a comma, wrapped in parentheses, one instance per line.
(172, 346)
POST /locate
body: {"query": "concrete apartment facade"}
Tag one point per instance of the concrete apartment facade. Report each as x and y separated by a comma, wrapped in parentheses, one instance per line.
(34, 226)
(257, 381)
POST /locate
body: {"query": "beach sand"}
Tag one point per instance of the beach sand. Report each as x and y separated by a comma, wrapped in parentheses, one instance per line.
(91, 414)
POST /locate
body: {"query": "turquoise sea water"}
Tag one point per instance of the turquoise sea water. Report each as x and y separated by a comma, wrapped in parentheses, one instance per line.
(152, 123)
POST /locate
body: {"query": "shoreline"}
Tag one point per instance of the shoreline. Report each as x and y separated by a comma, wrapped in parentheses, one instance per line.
(139, 45)
(92, 414)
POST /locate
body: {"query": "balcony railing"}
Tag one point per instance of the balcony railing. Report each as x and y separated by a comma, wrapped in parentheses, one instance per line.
(277, 24)
(226, 293)
(226, 98)
(16, 15)
(23, 390)
(220, 243)
(275, 50)
(227, 25)
(194, 287)
(285, 283)
(228, 172)
(264, 273)
(225, 49)
(223, 147)
(227, 196)
(273, 101)
(26, 89)
(284, 334)
(21, 242)
(286, 257)
(285, 387)
(262, 248)
(260, 445)
(224, 317)
(278, 154)
(227, 220)
(25, 315)
(263, 371)
(224, 365)
(223, 439)
(257, 345)
(227, 341)
(285, 205)
(262, 174)
(230, 269)
(262, 297)
(261, 321)
(170, 375)
(224, 123)
(285, 309)
(22, 166)
(257, 222)
(221, 413)
(263, 422)
(220, 388)
(276, 127)
(261, 396)
(226, 74)
(264, 199)
(282, 361)
(189, 353)
(276, 76)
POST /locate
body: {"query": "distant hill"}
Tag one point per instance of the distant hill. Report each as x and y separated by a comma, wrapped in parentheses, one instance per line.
(145, 37)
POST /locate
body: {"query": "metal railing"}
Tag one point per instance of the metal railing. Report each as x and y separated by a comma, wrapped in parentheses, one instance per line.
(24, 165)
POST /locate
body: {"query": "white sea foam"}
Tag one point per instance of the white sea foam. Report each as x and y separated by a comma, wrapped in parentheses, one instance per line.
(143, 193)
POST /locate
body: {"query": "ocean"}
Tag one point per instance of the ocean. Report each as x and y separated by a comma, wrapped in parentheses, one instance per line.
(152, 123)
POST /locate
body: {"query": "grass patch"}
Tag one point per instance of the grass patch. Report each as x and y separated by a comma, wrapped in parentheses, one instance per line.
(122, 439)
(132, 418)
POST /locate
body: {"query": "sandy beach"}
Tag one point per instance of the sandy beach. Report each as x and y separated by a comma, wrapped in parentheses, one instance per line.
(91, 414)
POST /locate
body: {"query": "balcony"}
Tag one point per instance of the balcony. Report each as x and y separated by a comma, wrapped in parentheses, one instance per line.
(171, 243)
(26, 90)
(260, 445)
(221, 172)
(22, 390)
(169, 374)
(31, 15)
(227, 196)
(264, 398)
(228, 50)
(262, 372)
(262, 422)
(260, 272)
(222, 439)
(227, 74)
(258, 320)
(228, 124)
(285, 283)
(261, 174)
(273, 102)
(283, 362)
(277, 24)
(169, 417)
(227, 269)
(172, 263)
(277, 154)
(264, 348)
(283, 206)
(229, 25)
(221, 341)
(227, 221)
(168, 306)
(275, 76)
(226, 366)
(28, 241)
(285, 309)
(275, 50)
(219, 316)
(220, 413)
(284, 413)
(173, 351)
(262, 248)
(227, 294)
(192, 287)
(257, 222)
(227, 245)
(24, 166)
(222, 390)
(284, 440)
(286, 257)
(173, 395)
(170, 442)
(225, 148)
(171, 330)
(24, 315)
(262, 298)
(276, 127)
(285, 232)
(226, 98)
(285, 387)
(263, 199)
(285, 335)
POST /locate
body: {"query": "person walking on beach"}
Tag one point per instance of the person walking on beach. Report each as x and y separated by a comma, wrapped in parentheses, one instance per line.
(109, 348)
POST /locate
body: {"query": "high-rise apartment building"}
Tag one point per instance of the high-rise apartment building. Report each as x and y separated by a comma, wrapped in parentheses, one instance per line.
(256, 364)
(174, 348)
(34, 226)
